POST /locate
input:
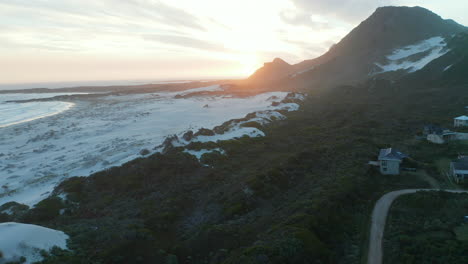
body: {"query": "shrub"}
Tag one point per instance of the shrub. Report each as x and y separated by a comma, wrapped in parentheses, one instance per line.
(144, 152)
(46, 209)
(312, 244)
(238, 208)
(73, 184)
(213, 158)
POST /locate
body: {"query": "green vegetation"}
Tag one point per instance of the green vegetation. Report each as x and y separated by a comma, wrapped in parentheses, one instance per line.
(283, 198)
(45, 210)
(427, 228)
(461, 232)
(435, 160)
(302, 194)
(13, 209)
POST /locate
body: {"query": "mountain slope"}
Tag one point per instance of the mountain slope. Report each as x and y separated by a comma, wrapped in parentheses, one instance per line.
(271, 70)
(357, 56)
(301, 194)
(450, 68)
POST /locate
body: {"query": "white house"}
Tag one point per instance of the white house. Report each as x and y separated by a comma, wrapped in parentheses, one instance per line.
(390, 160)
(460, 121)
(459, 169)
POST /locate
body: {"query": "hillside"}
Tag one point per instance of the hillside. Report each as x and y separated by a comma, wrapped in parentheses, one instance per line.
(356, 56)
(309, 207)
(271, 70)
(301, 194)
(278, 199)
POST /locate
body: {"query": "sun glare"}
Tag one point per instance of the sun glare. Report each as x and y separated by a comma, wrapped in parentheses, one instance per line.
(249, 65)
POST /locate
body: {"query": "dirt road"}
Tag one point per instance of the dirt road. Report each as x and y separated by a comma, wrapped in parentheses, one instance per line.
(379, 217)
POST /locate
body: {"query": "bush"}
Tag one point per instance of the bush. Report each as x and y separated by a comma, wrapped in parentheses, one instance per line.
(213, 158)
(73, 185)
(14, 206)
(46, 209)
(238, 208)
(144, 152)
(312, 244)
(4, 218)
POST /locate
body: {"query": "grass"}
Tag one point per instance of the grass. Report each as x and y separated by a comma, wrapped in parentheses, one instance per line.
(421, 228)
(443, 165)
(463, 142)
(435, 160)
(423, 175)
(461, 232)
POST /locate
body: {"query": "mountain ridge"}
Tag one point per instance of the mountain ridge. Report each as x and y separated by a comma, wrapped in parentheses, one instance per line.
(387, 29)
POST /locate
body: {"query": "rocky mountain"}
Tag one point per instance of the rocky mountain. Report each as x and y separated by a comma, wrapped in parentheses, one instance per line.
(449, 68)
(271, 70)
(392, 42)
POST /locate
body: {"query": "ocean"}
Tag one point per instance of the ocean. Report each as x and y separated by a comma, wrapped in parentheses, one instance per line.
(56, 85)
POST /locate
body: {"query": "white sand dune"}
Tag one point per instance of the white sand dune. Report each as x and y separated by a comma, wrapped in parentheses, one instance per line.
(100, 133)
(24, 240)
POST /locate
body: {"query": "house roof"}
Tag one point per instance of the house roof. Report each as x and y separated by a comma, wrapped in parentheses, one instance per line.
(391, 154)
(433, 129)
(463, 117)
(461, 164)
(448, 132)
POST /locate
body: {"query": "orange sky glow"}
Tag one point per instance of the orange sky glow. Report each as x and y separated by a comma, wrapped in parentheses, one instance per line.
(79, 40)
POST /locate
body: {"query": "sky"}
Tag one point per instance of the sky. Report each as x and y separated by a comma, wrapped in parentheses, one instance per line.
(89, 40)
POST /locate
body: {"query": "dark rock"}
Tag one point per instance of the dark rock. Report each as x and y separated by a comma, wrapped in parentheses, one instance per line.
(168, 143)
(144, 152)
(249, 116)
(290, 98)
(188, 135)
(222, 128)
(204, 132)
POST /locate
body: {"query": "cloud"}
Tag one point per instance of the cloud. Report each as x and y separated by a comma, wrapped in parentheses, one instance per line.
(186, 42)
(7, 44)
(299, 17)
(111, 10)
(351, 11)
(176, 17)
(103, 26)
(179, 31)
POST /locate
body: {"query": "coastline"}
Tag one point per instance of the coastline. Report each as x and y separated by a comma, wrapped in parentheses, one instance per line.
(117, 129)
(67, 106)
